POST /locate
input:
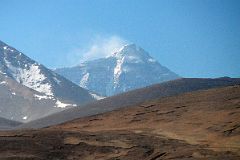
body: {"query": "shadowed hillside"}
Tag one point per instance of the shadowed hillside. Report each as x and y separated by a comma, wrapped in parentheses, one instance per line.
(166, 89)
(8, 124)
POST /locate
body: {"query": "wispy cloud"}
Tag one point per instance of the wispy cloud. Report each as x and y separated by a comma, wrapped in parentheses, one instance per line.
(98, 47)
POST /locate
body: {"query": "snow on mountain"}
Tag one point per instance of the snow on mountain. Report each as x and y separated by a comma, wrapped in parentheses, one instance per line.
(33, 86)
(129, 68)
(96, 96)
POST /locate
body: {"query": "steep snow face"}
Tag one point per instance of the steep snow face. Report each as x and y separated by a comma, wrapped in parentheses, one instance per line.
(129, 68)
(126, 56)
(84, 80)
(33, 78)
(25, 71)
(118, 70)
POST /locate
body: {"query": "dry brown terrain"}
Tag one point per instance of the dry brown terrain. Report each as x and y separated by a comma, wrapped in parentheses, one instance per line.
(135, 97)
(197, 125)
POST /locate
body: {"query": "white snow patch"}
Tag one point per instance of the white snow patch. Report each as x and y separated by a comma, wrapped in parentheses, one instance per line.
(3, 82)
(25, 117)
(151, 60)
(116, 54)
(31, 77)
(60, 104)
(84, 80)
(2, 72)
(97, 97)
(56, 80)
(7, 48)
(118, 70)
(40, 97)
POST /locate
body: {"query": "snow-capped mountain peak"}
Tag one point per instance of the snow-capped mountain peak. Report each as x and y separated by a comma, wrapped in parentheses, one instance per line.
(45, 88)
(131, 52)
(129, 68)
(24, 70)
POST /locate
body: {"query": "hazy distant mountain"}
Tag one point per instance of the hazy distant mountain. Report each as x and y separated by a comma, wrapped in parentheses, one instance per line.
(28, 90)
(129, 68)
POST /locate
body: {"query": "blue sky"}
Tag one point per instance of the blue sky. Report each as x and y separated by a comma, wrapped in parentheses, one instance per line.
(194, 38)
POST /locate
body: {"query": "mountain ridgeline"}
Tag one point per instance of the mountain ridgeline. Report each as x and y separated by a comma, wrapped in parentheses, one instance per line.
(28, 90)
(129, 68)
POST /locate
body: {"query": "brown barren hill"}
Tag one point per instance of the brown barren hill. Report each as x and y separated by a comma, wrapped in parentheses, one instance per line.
(197, 125)
(138, 96)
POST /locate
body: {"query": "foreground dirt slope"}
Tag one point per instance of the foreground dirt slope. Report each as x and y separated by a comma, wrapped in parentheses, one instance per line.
(211, 117)
(197, 125)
